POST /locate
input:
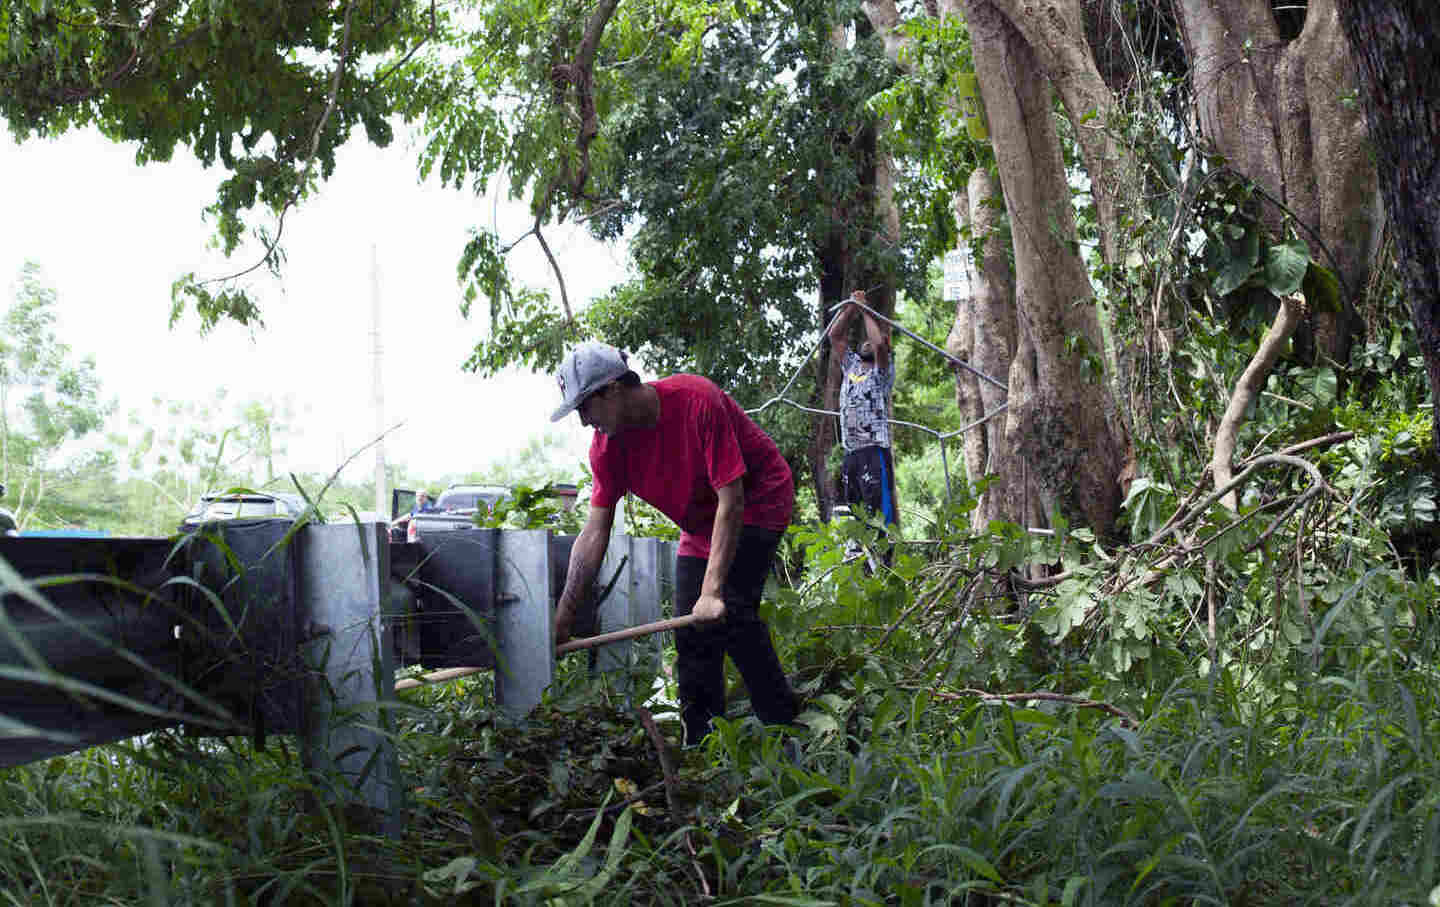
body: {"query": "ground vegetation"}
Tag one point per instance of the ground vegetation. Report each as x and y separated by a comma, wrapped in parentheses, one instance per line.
(1166, 635)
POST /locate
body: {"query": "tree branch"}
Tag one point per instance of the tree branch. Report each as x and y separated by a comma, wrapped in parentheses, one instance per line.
(1292, 309)
(580, 73)
(1129, 720)
(555, 266)
(429, 35)
(1186, 513)
(330, 102)
(667, 761)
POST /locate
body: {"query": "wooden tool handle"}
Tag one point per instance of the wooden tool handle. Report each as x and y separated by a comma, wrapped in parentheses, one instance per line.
(659, 626)
(574, 645)
(410, 683)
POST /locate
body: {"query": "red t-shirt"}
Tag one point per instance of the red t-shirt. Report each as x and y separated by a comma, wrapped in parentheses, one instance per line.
(703, 441)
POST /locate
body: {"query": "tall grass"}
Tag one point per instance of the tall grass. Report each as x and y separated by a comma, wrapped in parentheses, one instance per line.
(1301, 778)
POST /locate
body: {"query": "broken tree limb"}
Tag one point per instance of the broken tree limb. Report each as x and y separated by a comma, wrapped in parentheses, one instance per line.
(1287, 319)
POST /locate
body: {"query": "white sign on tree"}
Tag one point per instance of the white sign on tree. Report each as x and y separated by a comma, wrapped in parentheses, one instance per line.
(957, 275)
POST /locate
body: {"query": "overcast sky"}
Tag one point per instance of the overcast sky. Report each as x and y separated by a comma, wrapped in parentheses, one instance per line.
(112, 237)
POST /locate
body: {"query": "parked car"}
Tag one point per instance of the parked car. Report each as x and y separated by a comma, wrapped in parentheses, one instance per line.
(456, 508)
(243, 505)
(469, 498)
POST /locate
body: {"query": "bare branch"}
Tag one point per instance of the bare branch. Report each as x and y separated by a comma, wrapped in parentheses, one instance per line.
(1038, 695)
(667, 761)
(1252, 381)
(559, 275)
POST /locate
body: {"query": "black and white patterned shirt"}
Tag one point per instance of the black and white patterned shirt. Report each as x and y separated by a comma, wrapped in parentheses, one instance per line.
(864, 397)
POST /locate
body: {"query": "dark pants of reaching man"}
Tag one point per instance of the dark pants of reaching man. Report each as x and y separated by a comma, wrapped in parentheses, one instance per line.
(869, 479)
(701, 649)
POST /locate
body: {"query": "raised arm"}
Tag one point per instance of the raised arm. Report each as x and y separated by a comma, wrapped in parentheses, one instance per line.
(585, 559)
(840, 331)
(877, 332)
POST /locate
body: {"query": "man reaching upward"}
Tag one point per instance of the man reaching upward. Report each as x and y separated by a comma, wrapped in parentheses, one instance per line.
(868, 378)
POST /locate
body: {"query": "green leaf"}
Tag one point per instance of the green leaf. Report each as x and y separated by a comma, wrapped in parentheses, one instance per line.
(819, 723)
(976, 863)
(1148, 865)
(1322, 384)
(1240, 264)
(1357, 837)
(1231, 277)
(457, 871)
(614, 852)
(1285, 266)
(1072, 603)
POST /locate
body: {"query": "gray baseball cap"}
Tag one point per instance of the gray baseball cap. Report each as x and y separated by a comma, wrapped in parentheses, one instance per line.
(587, 368)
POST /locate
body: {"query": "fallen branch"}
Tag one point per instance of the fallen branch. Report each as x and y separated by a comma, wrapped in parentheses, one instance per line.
(667, 760)
(1043, 695)
(617, 808)
(1228, 489)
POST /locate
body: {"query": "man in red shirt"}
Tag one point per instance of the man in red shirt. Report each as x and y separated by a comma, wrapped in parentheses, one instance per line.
(684, 446)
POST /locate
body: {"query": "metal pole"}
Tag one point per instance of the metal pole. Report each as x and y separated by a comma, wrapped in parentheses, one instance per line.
(634, 600)
(945, 463)
(344, 572)
(780, 398)
(524, 632)
(381, 497)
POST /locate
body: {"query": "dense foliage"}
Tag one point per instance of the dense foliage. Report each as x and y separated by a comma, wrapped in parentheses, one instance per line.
(1221, 703)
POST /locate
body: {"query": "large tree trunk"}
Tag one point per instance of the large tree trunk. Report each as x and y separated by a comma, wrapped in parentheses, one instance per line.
(984, 335)
(1277, 109)
(1062, 418)
(833, 267)
(843, 268)
(961, 344)
(1061, 442)
(1055, 32)
(1396, 45)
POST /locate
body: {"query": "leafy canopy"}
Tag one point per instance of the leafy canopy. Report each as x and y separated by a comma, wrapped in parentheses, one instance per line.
(269, 88)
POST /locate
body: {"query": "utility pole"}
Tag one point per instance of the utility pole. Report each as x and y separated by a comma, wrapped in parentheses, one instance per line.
(381, 506)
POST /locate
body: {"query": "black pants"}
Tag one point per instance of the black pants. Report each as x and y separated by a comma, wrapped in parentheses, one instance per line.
(742, 635)
(869, 479)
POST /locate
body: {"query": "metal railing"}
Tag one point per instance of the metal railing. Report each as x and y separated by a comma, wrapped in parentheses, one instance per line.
(260, 627)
